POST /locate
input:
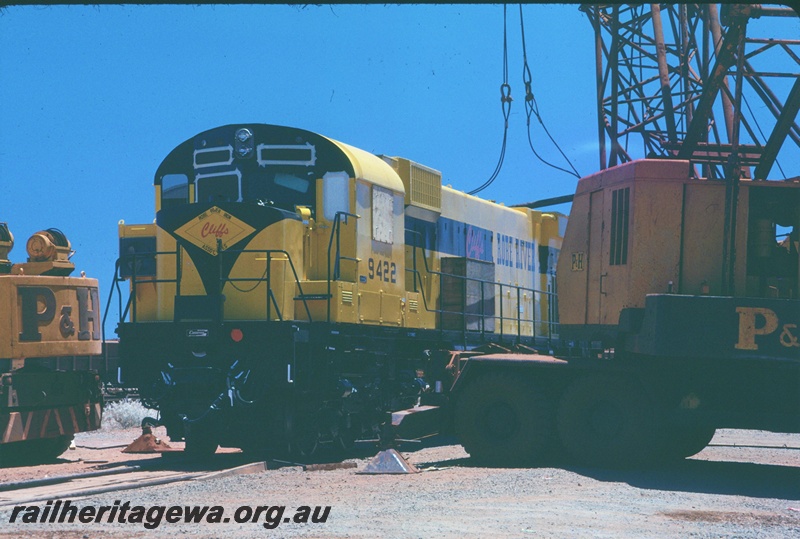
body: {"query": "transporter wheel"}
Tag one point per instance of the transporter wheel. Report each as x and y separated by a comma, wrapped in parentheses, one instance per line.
(684, 441)
(37, 451)
(503, 420)
(607, 421)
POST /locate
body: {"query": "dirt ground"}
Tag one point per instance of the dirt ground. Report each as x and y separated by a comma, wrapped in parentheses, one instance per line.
(746, 484)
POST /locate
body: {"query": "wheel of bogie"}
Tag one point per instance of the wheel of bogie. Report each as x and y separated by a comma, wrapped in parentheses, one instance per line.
(607, 421)
(684, 441)
(36, 451)
(345, 438)
(304, 444)
(302, 435)
(503, 420)
(199, 443)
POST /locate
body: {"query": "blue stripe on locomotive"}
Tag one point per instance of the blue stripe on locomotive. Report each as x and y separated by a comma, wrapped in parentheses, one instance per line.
(456, 238)
(450, 237)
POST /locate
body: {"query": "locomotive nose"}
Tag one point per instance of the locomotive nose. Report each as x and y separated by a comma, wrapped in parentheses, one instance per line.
(198, 341)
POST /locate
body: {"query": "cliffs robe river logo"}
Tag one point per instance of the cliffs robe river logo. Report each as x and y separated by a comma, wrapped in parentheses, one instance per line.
(212, 225)
(218, 231)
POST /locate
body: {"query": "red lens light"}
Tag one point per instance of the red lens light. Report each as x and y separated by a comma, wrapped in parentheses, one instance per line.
(237, 335)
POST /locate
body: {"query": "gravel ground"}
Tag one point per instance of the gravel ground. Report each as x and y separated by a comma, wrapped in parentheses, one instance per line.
(745, 485)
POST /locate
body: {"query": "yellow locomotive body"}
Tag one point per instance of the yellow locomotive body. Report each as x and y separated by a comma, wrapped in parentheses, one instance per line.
(263, 227)
(383, 256)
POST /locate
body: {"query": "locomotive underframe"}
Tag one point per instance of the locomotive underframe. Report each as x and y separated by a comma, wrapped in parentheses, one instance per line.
(286, 385)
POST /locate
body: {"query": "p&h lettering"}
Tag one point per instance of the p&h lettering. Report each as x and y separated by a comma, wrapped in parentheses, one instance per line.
(758, 321)
(32, 317)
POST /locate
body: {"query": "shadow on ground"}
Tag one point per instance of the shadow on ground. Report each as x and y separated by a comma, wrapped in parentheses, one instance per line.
(700, 476)
(710, 477)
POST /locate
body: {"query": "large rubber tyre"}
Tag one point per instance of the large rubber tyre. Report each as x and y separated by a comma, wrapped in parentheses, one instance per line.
(503, 420)
(681, 442)
(607, 421)
(39, 451)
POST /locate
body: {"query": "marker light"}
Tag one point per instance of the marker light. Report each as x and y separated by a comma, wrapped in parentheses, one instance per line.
(237, 335)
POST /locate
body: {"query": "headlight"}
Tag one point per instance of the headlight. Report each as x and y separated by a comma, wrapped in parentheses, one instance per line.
(48, 245)
(40, 247)
(244, 143)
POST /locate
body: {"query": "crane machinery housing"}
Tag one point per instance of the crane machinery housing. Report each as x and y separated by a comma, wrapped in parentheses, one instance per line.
(45, 312)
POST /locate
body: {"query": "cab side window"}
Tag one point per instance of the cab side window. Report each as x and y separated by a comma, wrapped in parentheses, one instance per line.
(335, 193)
(174, 190)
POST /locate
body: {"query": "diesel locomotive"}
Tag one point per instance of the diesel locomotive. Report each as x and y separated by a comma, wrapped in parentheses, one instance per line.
(45, 312)
(294, 291)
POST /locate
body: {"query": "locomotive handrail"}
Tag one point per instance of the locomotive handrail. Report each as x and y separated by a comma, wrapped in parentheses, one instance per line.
(114, 283)
(483, 316)
(135, 281)
(131, 304)
(336, 230)
(267, 277)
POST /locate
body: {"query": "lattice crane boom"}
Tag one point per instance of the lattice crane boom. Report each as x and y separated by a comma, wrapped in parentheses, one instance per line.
(690, 81)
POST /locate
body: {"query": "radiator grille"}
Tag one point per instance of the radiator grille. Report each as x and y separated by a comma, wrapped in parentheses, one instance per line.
(423, 185)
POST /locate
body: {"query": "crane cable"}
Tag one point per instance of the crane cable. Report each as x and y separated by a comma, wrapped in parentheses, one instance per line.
(531, 107)
(505, 103)
(758, 126)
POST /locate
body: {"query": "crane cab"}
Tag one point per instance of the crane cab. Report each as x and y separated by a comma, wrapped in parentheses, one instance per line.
(648, 228)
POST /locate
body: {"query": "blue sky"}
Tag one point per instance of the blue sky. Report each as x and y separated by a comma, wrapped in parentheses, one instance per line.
(93, 98)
